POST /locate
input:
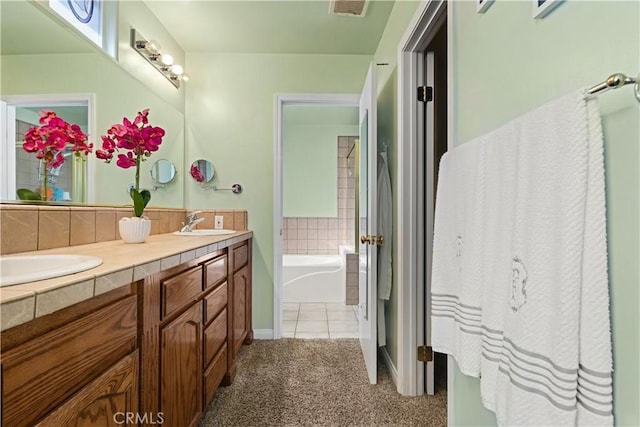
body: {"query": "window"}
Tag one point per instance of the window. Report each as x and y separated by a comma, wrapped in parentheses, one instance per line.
(97, 20)
(85, 15)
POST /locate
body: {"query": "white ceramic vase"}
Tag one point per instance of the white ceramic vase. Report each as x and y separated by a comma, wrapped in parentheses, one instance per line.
(134, 230)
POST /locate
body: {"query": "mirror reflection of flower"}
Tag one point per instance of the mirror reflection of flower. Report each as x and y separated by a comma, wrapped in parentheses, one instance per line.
(138, 139)
(196, 174)
(49, 141)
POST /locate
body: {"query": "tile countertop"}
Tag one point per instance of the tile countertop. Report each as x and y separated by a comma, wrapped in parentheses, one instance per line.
(121, 265)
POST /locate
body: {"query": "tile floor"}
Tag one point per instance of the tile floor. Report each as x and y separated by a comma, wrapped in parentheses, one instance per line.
(319, 321)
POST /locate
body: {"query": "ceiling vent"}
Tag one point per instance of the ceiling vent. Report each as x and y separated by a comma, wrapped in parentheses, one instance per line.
(348, 7)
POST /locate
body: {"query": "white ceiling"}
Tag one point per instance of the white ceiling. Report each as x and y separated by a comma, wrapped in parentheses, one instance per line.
(271, 26)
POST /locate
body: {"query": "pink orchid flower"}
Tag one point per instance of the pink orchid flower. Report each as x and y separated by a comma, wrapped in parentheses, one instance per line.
(51, 138)
(196, 174)
(137, 139)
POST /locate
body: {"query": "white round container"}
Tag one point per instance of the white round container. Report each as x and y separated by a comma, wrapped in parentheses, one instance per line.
(134, 230)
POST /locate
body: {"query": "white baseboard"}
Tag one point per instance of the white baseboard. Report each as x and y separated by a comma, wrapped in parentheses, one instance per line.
(263, 334)
(390, 366)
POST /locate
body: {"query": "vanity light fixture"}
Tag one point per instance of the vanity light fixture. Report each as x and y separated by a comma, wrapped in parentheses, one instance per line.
(163, 62)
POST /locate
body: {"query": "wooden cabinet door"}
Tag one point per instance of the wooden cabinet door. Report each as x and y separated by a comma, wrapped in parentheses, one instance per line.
(181, 369)
(103, 402)
(241, 306)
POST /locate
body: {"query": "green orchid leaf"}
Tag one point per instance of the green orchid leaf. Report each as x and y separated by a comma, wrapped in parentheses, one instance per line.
(138, 202)
(26, 194)
(146, 196)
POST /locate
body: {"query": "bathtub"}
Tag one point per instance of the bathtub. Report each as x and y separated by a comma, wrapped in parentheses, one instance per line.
(313, 278)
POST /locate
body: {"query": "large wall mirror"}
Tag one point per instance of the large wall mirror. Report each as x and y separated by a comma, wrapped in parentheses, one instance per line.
(43, 58)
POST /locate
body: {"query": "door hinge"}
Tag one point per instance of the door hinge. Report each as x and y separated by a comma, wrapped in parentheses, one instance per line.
(425, 354)
(425, 93)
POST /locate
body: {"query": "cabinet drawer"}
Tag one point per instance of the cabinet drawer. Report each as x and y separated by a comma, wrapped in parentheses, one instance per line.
(214, 373)
(180, 290)
(214, 302)
(216, 271)
(215, 336)
(240, 256)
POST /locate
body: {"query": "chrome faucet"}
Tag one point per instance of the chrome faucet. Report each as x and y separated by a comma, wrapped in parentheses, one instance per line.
(192, 219)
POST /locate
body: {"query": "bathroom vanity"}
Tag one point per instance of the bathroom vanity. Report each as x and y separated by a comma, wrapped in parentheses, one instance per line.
(151, 351)
(193, 319)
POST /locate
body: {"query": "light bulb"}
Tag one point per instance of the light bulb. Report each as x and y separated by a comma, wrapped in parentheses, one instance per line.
(152, 46)
(177, 69)
(166, 59)
(185, 77)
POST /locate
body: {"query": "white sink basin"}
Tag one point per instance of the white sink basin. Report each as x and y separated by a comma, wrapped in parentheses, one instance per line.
(204, 232)
(28, 268)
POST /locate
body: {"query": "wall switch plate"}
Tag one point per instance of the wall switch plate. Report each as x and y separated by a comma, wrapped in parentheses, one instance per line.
(219, 222)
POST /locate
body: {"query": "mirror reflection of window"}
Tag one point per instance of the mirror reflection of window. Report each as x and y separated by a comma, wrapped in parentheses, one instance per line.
(85, 16)
(94, 19)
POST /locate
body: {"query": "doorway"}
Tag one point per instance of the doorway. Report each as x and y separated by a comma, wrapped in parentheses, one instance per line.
(416, 189)
(318, 198)
(314, 137)
(434, 137)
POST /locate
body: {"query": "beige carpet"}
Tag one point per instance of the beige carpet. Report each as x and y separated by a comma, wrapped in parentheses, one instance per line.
(293, 382)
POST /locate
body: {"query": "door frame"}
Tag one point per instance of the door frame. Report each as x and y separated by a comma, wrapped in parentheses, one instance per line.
(411, 218)
(279, 101)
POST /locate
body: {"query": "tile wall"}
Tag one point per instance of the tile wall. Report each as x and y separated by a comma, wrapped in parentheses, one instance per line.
(26, 227)
(324, 235)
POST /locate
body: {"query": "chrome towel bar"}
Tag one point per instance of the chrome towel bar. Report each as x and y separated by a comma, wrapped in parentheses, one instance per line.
(615, 81)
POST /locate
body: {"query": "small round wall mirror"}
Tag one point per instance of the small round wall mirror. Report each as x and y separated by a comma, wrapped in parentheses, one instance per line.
(163, 171)
(202, 171)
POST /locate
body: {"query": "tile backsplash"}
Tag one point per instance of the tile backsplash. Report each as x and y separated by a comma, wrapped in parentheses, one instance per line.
(25, 227)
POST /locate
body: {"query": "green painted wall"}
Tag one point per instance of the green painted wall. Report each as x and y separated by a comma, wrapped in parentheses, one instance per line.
(387, 105)
(309, 157)
(230, 119)
(505, 64)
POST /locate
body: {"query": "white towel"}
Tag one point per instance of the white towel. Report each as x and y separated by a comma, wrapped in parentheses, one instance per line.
(554, 341)
(500, 151)
(385, 228)
(456, 271)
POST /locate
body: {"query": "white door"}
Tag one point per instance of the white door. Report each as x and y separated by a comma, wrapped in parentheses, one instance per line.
(367, 316)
